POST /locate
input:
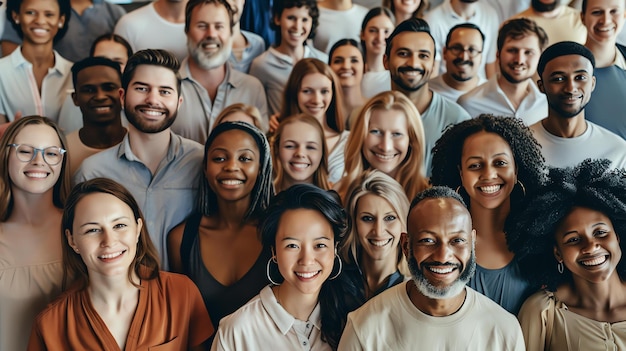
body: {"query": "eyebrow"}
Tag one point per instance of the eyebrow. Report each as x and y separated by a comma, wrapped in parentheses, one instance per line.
(419, 50)
(494, 155)
(457, 232)
(148, 85)
(576, 231)
(563, 73)
(219, 148)
(294, 239)
(96, 223)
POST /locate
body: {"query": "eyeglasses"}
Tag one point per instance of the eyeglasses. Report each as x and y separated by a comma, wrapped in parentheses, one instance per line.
(52, 155)
(458, 50)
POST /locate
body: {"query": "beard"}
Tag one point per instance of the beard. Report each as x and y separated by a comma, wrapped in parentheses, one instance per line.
(509, 78)
(458, 78)
(396, 78)
(137, 121)
(541, 7)
(566, 114)
(209, 61)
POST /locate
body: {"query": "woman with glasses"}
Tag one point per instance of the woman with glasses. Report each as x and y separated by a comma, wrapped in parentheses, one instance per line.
(34, 186)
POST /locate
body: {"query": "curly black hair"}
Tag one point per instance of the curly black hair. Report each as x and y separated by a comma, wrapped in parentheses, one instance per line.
(526, 150)
(592, 184)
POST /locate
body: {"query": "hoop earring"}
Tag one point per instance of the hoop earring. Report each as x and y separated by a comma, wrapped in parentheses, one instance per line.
(340, 267)
(268, 273)
(559, 267)
(458, 190)
(521, 185)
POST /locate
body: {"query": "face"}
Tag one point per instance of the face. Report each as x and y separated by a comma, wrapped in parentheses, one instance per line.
(378, 228)
(439, 247)
(209, 39)
(37, 176)
(460, 64)
(406, 7)
(295, 26)
(488, 171)
(410, 60)
(300, 151)
(587, 244)
(347, 63)
(97, 94)
(375, 34)
(604, 20)
(315, 95)
(233, 161)
(39, 20)
(238, 116)
(568, 82)
(305, 250)
(112, 50)
(544, 5)
(387, 142)
(151, 101)
(105, 234)
(518, 58)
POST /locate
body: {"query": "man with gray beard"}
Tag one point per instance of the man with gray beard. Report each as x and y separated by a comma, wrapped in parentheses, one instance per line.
(435, 310)
(209, 82)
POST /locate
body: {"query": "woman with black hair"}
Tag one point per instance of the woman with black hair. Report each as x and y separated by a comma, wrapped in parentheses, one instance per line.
(302, 308)
(494, 163)
(567, 240)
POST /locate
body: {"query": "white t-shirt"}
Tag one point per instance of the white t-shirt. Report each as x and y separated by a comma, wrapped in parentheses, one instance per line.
(375, 82)
(336, 25)
(567, 26)
(438, 85)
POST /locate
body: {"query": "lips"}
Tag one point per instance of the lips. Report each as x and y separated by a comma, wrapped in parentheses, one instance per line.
(490, 189)
(307, 275)
(595, 261)
(36, 174)
(231, 181)
(385, 157)
(380, 243)
(299, 165)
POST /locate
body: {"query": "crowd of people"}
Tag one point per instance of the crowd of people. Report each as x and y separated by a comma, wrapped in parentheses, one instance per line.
(376, 175)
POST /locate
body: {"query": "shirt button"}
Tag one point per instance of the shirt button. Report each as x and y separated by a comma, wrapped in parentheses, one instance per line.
(304, 343)
(308, 325)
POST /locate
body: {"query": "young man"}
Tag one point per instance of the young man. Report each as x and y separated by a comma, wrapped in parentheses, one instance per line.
(209, 82)
(435, 309)
(512, 92)
(566, 138)
(561, 22)
(161, 169)
(246, 45)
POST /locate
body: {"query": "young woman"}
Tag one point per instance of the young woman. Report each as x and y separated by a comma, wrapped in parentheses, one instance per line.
(34, 185)
(376, 27)
(388, 135)
(494, 163)
(218, 247)
(241, 112)
(302, 309)
(406, 9)
(313, 88)
(113, 47)
(299, 153)
(378, 209)
(570, 240)
(346, 60)
(118, 298)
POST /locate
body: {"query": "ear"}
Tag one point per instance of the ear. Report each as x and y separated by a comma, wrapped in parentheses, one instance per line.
(15, 17)
(540, 86)
(139, 226)
(61, 21)
(122, 96)
(593, 83)
(74, 98)
(277, 21)
(404, 243)
(473, 235)
(180, 102)
(70, 240)
(386, 61)
(460, 174)
(557, 254)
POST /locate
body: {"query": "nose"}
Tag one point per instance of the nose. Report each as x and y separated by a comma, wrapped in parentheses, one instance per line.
(380, 226)
(306, 256)
(414, 60)
(317, 97)
(386, 143)
(489, 172)
(152, 97)
(442, 253)
(108, 238)
(381, 35)
(607, 17)
(231, 164)
(590, 245)
(300, 151)
(346, 64)
(465, 55)
(570, 86)
(38, 157)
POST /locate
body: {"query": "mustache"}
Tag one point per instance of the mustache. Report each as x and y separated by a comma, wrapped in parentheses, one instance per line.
(208, 41)
(411, 69)
(459, 62)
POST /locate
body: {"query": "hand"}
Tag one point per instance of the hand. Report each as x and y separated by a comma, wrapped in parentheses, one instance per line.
(274, 122)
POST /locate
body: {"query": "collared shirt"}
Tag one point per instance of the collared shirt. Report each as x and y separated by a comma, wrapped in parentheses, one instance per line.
(165, 198)
(19, 91)
(197, 113)
(255, 47)
(263, 323)
(489, 98)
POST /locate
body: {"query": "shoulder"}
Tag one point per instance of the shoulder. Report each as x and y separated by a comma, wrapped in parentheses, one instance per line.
(498, 316)
(536, 303)
(450, 109)
(247, 81)
(59, 311)
(379, 305)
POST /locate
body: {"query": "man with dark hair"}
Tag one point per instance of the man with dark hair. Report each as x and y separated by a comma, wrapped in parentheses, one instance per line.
(561, 22)
(512, 92)
(435, 309)
(161, 169)
(566, 138)
(410, 58)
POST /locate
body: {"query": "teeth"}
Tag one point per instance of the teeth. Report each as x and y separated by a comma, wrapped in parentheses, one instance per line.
(307, 275)
(346, 74)
(385, 157)
(36, 174)
(412, 73)
(300, 165)
(102, 109)
(210, 46)
(440, 270)
(231, 182)
(490, 189)
(111, 255)
(380, 243)
(594, 262)
(40, 31)
(152, 112)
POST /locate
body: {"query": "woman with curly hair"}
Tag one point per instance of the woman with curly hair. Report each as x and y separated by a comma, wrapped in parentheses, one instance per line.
(568, 241)
(494, 163)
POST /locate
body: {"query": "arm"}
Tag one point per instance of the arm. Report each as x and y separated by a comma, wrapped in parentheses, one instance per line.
(349, 340)
(35, 342)
(490, 69)
(533, 320)
(174, 241)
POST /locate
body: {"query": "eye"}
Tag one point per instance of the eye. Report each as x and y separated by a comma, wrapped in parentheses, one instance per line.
(601, 233)
(321, 246)
(291, 246)
(91, 231)
(289, 146)
(403, 54)
(375, 132)
(474, 166)
(120, 226)
(390, 218)
(367, 218)
(426, 241)
(52, 152)
(165, 92)
(141, 89)
(306, 91)
(325, 91)
(311, 147)
(581, 77)
(218, 159)
(397, 134)
(109, 87)
(500, 163)
(458, 241)
(245, 158)
(424, 56)
(572, 239)
(557, 79)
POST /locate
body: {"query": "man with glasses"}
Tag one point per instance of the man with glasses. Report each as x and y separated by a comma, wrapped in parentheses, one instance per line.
(512, 92)
(463, 55)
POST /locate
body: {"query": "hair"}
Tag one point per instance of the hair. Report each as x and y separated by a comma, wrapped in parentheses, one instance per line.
(154, 57)
(529, 161)
(423, 6)
(146, 262)
(61, 187)
(413, 25)
(376, 183)
(249, 110)
(328, 204)
(410, 172)
(306, 66)
(114, 38)
(281, 5)
(464, 26)
(561, 49)
(91, 62)
(65, 10)
(262, 192)
(192, 4)
(436, 192)
(519, 28)
(345, 42)
(320, 177)
(593, 185)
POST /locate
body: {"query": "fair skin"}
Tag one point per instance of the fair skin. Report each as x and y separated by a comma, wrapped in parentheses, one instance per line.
(347, 63)
(461, 67)
(550, 14)
(588, 245)
(112, 50)
(295, 26)
(518, 61)
(314, 98)
(375, 34)
(239, 41)
(305, 253)
(387, 142)
(604, 19)
(404, 10)
(300, 153)
(488, 175)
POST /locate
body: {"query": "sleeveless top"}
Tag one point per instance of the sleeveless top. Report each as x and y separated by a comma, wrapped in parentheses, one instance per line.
(221, 300)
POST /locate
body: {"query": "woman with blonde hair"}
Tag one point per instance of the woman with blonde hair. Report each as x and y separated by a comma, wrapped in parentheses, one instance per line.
(388, 135)
(241, 112)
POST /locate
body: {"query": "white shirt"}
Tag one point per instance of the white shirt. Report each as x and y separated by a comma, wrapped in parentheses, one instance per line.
(263, 324)
(375, 82)
(438, 85)
(335, 25)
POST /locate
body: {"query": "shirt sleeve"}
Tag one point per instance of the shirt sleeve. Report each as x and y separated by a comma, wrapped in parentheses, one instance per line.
(200, 326)
(533, 317)
(35, 342)
(349, 339)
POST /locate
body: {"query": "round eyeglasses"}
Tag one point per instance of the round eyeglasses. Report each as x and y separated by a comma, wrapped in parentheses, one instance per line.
(458, 50)
(52, 155)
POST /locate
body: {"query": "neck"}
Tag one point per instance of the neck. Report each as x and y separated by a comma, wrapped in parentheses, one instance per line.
(549, 14)
(297, 304)
(337, 5)
(150, 148)
(460, 85)
(602, 296)
(435, 307)
(402, 16)
(421, 97)
(38, 55)
(489, 222)
(231, 214)
(33, 209)
(114, 292)
(295, 52)
(352, 98)
(205, 77)
(171, 11)
(516, 92)
(565, 127)
(376, 272)
(603, 52)
(465, 10)
(99, 136)
(374, 62)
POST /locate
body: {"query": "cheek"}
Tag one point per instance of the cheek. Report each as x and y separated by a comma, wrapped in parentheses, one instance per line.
(403, 145)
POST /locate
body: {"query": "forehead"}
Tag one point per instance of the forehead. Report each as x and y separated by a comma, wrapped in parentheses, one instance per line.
(316, 80)
(389, 118)
(97, 73)
(439, 216)
(315, 225)
(154, 75)
(50, 5)
(37, 135)
(346, 51)
(211, 12)
(466, 36)
(300, 11)
(486, 142)
(527, 41)
(414, 41)
(101, 205)
(380, 21)
(233, 140)
(605, 4)
(300, 130)
(568, 63)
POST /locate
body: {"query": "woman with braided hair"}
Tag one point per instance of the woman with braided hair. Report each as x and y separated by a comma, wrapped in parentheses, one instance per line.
(568, 241)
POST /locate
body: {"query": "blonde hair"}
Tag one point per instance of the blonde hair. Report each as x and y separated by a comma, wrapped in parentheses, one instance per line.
(249, 110)
(410, 172)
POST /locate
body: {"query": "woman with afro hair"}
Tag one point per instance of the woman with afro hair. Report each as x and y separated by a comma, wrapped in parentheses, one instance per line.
(568, 241)
(494, 163)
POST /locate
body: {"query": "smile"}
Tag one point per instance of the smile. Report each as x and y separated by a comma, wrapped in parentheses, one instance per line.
(231, 182)
(490, 189)
(307, 275)
(385, 157)
(441, 269)
(153, 113)
(300, 165)
(594, 261)
(380, 243)
(111, 255)
(38, 175)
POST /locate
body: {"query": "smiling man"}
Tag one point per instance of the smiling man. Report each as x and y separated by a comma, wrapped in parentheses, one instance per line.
(566, 137)
(435, 309)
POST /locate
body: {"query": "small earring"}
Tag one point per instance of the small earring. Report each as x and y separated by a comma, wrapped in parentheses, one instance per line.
(458, 190)
(60, 25)
(76, 250)
(17, 21)
(559, 267)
